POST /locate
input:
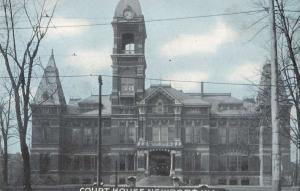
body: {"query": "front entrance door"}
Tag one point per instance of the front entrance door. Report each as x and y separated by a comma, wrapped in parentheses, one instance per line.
(160, 163)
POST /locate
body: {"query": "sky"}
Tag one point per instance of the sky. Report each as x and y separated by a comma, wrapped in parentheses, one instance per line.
(218, 49)
(230, 49)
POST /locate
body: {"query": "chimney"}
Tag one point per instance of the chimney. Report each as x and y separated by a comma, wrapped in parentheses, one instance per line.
(202, 89)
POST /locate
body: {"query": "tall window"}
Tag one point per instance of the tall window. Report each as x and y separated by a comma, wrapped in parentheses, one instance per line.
(204, 135)
(76, 136)
(87, 162)
(130, 159)
(76, 163)
(197, 135)
(171, 133)
(232, 135)
(198, 161)
(253, 135)
(254, 163)
(156, 134)
(189, 134)
(131, 134)
(243, 161)
(222, 134)
(122, 162)
(122, 134)
(164, 134)
(267, 164)
(88, 136)
(243, 135)
(159, 107)
(44, 163)
(107, 161)
(188, 161)
(127, 84)
(232, 162)
(160, 134)
(223, 162)
(204, 162)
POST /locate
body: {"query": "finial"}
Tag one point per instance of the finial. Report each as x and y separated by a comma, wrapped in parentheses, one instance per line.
(52, 52)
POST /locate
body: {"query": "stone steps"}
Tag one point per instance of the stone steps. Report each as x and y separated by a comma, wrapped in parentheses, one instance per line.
(155, 181)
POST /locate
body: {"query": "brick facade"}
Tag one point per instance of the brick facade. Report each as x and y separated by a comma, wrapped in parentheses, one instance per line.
(207, 138)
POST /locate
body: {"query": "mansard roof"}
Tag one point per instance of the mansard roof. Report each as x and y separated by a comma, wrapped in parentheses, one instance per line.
(50, 91)
(234, 105)
(89, 106)
(134, 5)
(213, 100)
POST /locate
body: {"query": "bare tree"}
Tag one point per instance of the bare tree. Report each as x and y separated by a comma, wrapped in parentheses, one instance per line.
(288, 26)
(5, 126)
(19, 56)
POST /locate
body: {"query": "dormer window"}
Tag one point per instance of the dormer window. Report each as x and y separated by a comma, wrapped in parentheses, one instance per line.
(128, 46)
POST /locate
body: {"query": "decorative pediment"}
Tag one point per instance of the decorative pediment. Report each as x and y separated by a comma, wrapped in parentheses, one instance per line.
(160, 94)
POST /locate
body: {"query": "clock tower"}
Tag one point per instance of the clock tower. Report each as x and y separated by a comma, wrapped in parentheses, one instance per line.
(128, 56)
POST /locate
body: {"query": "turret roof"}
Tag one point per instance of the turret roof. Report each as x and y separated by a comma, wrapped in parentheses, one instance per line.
(50, 91)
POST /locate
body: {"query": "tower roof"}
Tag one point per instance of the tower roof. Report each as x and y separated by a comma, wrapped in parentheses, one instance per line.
(50, 91)
(264, 93)
(133, 5)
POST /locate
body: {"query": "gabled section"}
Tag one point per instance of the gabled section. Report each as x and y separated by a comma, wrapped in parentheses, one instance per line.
(50, 91)
(160, 90)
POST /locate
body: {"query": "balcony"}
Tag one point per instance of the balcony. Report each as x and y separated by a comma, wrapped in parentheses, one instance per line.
(128, 52)
(176, 143)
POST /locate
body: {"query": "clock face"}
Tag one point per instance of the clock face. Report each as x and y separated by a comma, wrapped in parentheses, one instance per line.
(128, 14)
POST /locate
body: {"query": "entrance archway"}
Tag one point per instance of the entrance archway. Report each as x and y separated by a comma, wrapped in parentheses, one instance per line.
(160, 163)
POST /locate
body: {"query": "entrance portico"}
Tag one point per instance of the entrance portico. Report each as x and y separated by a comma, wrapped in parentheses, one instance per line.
(159, 163)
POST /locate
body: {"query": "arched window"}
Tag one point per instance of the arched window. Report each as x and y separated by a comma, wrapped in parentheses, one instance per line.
(127, 83)
(45, 96)
(128, 46)
(159, 107)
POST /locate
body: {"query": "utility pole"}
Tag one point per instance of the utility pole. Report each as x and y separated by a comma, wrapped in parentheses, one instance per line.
(296, 169)
(261, 155)
(99, 145)
(116, 174)
(276, 164)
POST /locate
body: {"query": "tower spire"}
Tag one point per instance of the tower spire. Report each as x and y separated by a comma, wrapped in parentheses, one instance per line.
(50, 91)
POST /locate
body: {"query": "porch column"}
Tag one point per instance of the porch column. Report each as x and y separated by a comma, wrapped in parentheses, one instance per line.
(144, 128)
(147, 163)
(177, 112)
(172, 171)
(172, 162)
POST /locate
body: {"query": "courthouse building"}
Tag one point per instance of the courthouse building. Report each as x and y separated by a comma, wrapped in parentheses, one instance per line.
(156, 131)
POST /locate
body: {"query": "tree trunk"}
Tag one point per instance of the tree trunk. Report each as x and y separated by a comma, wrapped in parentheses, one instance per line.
(296, 169)
(26, 164)
(5, 162)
